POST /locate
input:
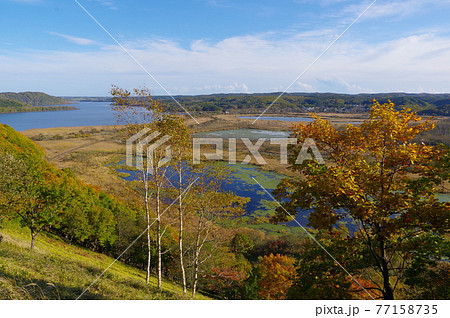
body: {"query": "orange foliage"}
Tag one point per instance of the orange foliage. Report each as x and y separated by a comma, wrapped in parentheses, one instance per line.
(277, 276)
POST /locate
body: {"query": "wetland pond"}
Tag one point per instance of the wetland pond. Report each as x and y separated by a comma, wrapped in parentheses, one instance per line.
(260, 205)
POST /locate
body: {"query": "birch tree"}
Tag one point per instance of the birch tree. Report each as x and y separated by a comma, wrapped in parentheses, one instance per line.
(158, 135)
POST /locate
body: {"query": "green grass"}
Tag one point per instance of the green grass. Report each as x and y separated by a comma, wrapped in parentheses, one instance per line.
(56, 270)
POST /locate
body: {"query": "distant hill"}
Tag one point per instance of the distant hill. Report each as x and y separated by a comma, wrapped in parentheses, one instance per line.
(31, 102)
(424, 104)
(34, 98)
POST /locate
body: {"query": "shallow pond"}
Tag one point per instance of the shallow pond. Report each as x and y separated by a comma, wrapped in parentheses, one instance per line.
(241, 183)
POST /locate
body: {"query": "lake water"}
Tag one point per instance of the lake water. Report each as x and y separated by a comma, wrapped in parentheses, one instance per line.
(303, 119)
(243, 133)
(88, 114)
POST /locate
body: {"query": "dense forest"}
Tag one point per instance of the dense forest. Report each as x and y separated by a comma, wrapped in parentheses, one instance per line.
(31, 102)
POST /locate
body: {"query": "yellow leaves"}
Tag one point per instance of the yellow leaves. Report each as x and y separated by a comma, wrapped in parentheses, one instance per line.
(278, 273)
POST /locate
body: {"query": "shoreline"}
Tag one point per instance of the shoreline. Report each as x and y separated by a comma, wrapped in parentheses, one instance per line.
(42, 110)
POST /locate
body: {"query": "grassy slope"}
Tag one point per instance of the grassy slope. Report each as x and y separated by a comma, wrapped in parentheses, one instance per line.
(56, 270)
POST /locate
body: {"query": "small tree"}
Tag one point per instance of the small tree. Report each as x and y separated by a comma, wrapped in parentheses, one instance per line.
(277, 276)
(32, 191)
(241, 243)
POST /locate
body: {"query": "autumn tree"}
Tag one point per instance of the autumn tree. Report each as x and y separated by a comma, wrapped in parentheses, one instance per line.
(380, 182)
(277, 276)
(320, 277)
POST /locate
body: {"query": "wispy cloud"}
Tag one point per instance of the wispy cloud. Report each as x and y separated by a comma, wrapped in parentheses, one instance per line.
(242, 64)
(107, 3)
(73, 39)
(392, 8)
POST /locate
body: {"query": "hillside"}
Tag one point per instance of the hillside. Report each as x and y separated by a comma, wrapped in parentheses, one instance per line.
(31, 102)
(33, 98)
(56, 270)
(86, 216)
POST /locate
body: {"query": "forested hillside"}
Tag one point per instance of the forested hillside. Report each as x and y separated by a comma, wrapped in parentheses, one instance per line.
(30, 102)
(54, 208)
(33, 98)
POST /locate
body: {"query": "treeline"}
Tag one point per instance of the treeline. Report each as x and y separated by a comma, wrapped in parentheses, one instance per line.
(425, 104)
(25, 109)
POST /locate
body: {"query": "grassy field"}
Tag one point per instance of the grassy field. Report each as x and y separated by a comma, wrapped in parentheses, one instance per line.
(56, 270)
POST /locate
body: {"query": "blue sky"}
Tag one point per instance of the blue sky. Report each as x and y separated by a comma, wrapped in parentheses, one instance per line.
(225, 46)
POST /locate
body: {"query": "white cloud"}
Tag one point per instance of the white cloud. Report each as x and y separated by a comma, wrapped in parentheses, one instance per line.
(73, 39)
(391, 8)
(304, 87)
(238, 64)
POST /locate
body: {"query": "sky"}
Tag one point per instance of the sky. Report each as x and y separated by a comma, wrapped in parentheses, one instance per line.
(191, 47)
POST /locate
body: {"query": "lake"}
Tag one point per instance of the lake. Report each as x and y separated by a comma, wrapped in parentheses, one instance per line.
(88, 114)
